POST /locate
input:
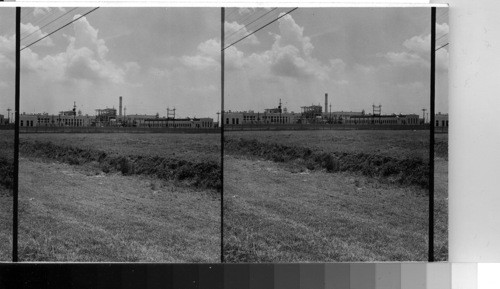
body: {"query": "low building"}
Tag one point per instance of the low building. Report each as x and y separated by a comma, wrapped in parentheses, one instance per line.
(269, 116)
(44, 119)
(341, 117)
(392, 119)
(179, 122)
(136, 120)
(441, 120)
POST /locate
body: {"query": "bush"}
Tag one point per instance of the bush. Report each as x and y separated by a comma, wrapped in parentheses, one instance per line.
(412, 171)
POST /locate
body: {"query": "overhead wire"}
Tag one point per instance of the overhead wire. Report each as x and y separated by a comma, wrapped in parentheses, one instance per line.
(40, 28)
(46, 16)
(65, 25)
(247, 25)
(262, 27)
(442, 46)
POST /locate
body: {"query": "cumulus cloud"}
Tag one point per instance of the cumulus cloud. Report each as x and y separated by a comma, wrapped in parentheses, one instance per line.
(290, 56)
(418, 49)
(235, 31)
(7, 44)
(41, 11)
(83, 59)
(32, 33)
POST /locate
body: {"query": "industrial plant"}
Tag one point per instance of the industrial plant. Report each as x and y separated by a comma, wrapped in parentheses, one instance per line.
(110, 117)
(315, 114)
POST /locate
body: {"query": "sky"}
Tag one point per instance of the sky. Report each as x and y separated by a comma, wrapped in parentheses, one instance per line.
(359, 56)
(170, 57)
(146, 55)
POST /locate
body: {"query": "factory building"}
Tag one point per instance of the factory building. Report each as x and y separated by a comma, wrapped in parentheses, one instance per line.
(179, 122)
(441, 120)
(392, 119)
(2, 120)
(136, 120)
(44, 119)
(269, 116)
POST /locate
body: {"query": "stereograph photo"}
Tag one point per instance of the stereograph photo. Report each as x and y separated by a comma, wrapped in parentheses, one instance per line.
(119, 138)
(241, 135)
(327, 134)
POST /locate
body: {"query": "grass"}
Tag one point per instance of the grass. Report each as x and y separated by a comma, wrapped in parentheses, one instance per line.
(5, 225)
(408, 171)
(6, 159)
(189, 147)
(6, 200)
(331, 196)
(204, 174)
(119, 197)
(67, 214)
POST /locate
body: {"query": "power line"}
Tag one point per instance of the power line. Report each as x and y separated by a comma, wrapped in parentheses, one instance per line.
(232, 13)
(249, 16)
(48, 15)
(442, 36)
(72, 21)
(40, 29)
(442, 46)
(245, 26)
(269, 23)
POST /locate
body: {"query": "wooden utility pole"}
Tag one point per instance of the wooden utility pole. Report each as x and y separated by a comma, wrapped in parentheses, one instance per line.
(222, 44)
(431, 145)
(16, 136)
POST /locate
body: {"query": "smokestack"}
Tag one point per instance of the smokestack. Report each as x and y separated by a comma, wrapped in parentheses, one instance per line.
(120, 108)
(326, 102)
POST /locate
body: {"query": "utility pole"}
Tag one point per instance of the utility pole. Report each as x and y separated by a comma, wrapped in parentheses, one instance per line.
(431, 144)
(423, 112)
(222, 44)
(218, 124)
(17, 90)
(8, 115)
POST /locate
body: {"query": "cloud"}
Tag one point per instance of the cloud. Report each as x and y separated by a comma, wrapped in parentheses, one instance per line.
(206, 58)
(290, 56)
(235, 31)
(83, 60)
(33, 33)
(405, 59)
(7, 45)
(40, 11)
(418, 50)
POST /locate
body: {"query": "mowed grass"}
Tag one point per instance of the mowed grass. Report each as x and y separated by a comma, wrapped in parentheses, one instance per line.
(75, 211)
(6, 200)
(278, 212)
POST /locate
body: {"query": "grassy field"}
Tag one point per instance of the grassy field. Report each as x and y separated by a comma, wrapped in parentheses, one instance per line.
(302, 196)
(6, 174)
(119, 197)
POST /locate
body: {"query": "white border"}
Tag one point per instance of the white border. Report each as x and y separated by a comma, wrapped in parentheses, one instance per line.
(211, 3)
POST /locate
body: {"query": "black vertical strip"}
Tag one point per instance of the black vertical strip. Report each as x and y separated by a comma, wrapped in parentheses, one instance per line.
(16, 136)
(222, 134)
(431, 142)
